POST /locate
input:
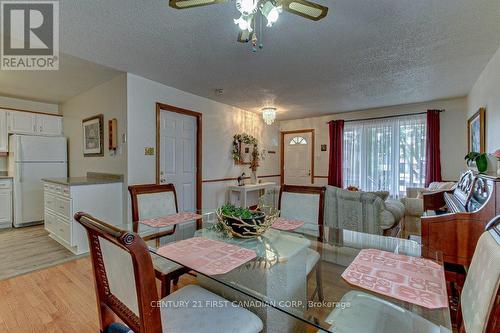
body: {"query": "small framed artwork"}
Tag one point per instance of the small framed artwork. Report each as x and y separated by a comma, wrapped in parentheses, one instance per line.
(476, 132)
(323, 147)
(93, 136)
(246, 157)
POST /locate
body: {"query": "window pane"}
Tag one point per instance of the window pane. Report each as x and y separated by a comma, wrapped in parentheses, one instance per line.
(386, 154)
(298, 140)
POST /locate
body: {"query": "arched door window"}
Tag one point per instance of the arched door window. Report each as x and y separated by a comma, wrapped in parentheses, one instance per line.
(298, 140)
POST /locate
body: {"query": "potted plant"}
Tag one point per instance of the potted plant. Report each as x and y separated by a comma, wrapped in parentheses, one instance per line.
(496, 154)
(479, 159)
(242, 221)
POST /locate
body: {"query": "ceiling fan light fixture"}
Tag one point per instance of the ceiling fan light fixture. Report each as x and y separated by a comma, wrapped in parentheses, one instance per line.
(245, 24)
(247, 7)
(251, 9)
(269, 115)
(270, 12)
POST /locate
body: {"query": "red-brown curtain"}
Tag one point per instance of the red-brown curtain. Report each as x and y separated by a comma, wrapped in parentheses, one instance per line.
(433, 153)
(336, 128)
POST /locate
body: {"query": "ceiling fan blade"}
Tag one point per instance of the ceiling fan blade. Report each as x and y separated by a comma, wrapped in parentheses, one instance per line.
(305, 9)
(182, 4)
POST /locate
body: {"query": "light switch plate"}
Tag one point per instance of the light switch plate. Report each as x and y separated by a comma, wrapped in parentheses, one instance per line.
(149, 151)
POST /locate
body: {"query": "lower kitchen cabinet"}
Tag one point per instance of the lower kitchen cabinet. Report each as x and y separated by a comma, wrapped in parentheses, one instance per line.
(5, 203)
(62, 201)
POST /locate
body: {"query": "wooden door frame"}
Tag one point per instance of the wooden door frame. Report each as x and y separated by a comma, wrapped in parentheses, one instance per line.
(282, 153)
(199, 145)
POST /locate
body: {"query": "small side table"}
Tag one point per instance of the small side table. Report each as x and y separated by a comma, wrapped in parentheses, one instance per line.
(242, 191)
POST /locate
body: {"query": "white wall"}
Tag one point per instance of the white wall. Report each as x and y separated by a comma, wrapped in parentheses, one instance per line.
(486, 92)
(220, 123)
(24, 104)
(109, 99)
(453, 136)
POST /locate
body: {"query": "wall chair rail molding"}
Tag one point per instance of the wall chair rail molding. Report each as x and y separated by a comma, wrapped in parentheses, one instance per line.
(235, 179)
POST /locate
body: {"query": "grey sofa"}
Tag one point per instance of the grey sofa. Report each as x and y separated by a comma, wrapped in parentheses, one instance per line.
(363, 211)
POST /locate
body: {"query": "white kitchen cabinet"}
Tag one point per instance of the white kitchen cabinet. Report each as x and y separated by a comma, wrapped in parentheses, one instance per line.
(20, 122)
(63, 200)
(49, 125)
(5, 203)
(4, 134)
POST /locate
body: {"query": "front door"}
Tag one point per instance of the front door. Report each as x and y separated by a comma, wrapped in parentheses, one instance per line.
(297, 166)
(178, 156)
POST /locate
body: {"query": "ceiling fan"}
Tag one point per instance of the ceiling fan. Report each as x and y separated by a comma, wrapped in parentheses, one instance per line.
(270, 9)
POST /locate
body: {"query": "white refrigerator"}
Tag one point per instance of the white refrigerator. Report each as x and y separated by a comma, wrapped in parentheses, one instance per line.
(32, 158)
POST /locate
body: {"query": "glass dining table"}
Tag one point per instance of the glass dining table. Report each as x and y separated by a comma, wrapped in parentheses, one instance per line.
(291, 292)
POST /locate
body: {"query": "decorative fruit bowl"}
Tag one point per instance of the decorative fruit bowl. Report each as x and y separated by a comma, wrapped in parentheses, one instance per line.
(242, 222)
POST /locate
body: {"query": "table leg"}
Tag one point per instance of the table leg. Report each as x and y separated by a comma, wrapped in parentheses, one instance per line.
(243, 199)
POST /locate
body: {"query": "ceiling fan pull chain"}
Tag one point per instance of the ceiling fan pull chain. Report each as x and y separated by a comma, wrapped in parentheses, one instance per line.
(261, 32)
(254, 37)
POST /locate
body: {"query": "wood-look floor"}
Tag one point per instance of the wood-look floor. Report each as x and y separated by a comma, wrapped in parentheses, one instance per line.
(28, 249)
(62, 299)
(57, 299)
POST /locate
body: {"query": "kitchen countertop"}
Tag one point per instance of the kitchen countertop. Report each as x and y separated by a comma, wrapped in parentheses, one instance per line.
(90, 179)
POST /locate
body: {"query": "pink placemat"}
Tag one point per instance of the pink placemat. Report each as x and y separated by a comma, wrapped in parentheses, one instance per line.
(170, 220)
(207, 256)
(282, 223)
(415, 280)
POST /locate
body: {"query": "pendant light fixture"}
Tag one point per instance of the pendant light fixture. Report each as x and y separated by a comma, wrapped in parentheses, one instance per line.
(269, 114)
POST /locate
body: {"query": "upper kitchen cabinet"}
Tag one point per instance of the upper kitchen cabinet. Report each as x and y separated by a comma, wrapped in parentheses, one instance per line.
(49, 125)
(4, 147)
(34, 124)
(21, 122)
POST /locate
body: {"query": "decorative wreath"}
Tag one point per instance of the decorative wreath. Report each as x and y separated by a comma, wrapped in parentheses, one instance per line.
(247, 139)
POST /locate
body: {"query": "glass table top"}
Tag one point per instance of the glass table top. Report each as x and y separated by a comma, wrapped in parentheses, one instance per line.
(294, 284)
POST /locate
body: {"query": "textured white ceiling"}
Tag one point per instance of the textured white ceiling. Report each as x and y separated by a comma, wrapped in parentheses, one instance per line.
(365, 54)
(73, 77)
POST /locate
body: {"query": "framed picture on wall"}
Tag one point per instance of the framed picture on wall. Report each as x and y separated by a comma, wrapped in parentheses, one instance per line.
(93, 136)
(476, 132)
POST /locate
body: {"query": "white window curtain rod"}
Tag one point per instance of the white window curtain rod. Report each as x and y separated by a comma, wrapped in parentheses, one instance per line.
(384, 117)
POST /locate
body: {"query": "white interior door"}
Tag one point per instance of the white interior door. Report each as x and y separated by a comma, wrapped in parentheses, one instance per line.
(297, 158)
(178, 156)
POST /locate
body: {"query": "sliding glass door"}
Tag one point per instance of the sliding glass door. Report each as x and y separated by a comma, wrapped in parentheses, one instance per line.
(385, 154)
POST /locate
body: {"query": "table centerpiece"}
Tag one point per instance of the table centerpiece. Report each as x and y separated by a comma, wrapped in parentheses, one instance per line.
(244, 223)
